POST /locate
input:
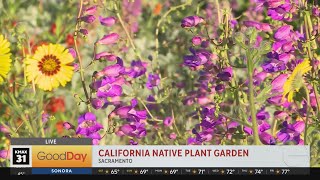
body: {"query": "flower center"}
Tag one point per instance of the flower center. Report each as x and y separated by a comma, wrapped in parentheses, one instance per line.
(87, 123)
(49, 65)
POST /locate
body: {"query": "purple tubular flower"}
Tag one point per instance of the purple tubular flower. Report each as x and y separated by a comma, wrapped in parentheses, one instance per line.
(84, 31)
(4, 130)
(138, 68)
(4, 154)
(111, 71)
(91, 10)
(87, 124)
(219, 88)
(291, 132)
(173, 136)
(108, 21)
(98, 103)
(168, 121)
(134, 130)
(259, 26)
(72, 52)
(132, 142)
(45, 117)
(283, 32)
(152, 100)
(88, 18)
(191, 21)
(153, 81)
(267, 139)
(226, 74)
(109, 39)
(278, 82)
(107, 87)
(262, 114)
(205, 44)
(259, 78)
(273, 66)
(68, 126)
(106, 56)
(196, 40)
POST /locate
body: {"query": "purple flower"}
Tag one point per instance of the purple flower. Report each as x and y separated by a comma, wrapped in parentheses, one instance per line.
(168, 121)
(205, 44)
(132, 8)
(262, 114)
(259, 78)
(134, 130)
(138, 68)
(87, 124)
(273, 66)
(4, 154)
(88, 18)
(267, 139)
(291, 132)
(259, 26)
(196, 40)
(129, 112)
(226, 74)
(198, 58)
(152, 101)
(132, 142)
(173, 136)
(153, 81)
(220, 88)
(91, 10)
(45, 117)
(191, 21)
(98, 103)
(108, 21)
(278, 82)
(283, 32)
(315, 11)
(107, 87)
(111, 71)
(106, 56)
(68, 126)
(84, 31)
(4, 130)
(72, 52)
(109, 39)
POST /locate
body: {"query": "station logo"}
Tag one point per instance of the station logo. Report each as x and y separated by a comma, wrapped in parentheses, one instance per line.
(61, 156)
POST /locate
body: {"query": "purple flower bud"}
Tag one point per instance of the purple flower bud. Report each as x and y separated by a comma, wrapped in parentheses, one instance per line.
(267, 139)
(72, 52)
(191, 21)
(168, 121)
(97, 103)
(4, 130)
(76, 67)
(196, 40)
(105, 56)
(226, 74)
(84, 31)
(220, 88)
(316, 11)
(68, 126)
(88, 18)
(173, 136)
(4, 154)
(205, 44)
(109, 39)
(108, 21)
(153, 80)
(283, 32)
(132, 142)
(45, 117)
(91, 10)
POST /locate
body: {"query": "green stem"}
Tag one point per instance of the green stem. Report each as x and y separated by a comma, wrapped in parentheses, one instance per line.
(308, 28)
(127, 32)
(80, 60)
(147, 109)
(251, 101)
(188, 3)
(308, 113)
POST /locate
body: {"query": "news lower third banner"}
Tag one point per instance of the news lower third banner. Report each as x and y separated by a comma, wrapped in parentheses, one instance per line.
(78, 156)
